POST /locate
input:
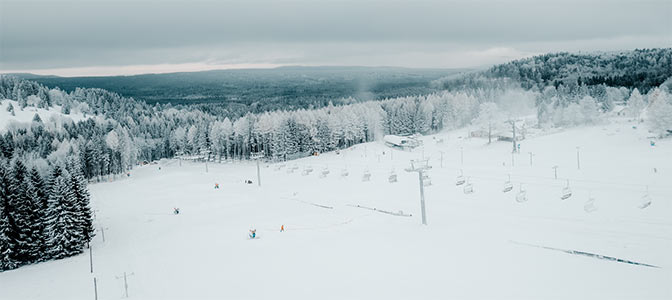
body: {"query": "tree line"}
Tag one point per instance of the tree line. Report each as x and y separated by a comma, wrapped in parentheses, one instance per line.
(42, 218)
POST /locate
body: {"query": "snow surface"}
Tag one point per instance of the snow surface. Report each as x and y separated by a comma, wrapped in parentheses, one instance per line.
(26, 115)
(474, 246)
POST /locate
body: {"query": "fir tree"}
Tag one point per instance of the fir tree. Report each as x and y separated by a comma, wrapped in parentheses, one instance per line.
(7, 261)
(36, 118)
(63, 238)
(38, 201)
(20, 213)
(81, 201)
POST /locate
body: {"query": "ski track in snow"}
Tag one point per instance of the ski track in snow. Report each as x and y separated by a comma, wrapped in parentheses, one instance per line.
(588, 254)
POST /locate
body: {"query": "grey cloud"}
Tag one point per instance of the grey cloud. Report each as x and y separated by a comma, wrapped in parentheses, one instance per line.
(46, 34)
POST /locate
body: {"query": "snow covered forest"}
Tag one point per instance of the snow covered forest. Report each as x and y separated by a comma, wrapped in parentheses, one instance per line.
(46, 164)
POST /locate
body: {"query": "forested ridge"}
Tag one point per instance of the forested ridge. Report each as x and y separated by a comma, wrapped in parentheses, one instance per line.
(643, 69)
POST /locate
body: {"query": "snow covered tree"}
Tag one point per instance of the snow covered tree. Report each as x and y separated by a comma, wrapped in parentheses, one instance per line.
(63, 238)
(21, 215)
(589, 110)
(37, 119)
(77, 186)
(636, 104)
(10, 109)
(7, 245)
(488, 116)
(660, 112)
(38, 201)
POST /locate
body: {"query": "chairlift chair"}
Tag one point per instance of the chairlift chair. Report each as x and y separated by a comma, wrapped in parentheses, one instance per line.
(393, 177)
(468, 188)
(324, 173)
(646, 200)
(522, 195)
(367, 176)
(566, 192)
(460, 179)
(508, 186)
(344, 173)
(590, 207)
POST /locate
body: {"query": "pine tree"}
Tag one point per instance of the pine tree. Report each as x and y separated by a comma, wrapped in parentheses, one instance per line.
(7, 261)
(20, 213)
(38, 199)
(63, 238)
(82, 202)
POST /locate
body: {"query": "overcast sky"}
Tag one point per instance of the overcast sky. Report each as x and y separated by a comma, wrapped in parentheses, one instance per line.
(103, 37)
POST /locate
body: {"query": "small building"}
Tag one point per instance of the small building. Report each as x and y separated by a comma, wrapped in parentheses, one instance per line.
(401, 142)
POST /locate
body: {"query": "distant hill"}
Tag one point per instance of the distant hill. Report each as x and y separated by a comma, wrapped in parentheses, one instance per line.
(642, 69)
(262, 89)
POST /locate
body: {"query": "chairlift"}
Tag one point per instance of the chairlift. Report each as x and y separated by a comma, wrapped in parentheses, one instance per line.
(522, 195)
(393, 177)
(468, 188)
(566, 192)
(646, 200)
(367, 176)
(324, 173)
(508, 186)
(344, 173)
(590, 207)
(460, 179)
(306, 171)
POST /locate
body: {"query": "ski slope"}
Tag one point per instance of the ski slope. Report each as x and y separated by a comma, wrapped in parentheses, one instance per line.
(483, 245)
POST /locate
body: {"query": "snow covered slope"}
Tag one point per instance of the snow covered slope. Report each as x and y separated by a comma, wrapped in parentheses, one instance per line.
(27, 114)
(483, 245)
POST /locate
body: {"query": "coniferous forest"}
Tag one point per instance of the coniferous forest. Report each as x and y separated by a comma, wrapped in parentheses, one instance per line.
(46, 164)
